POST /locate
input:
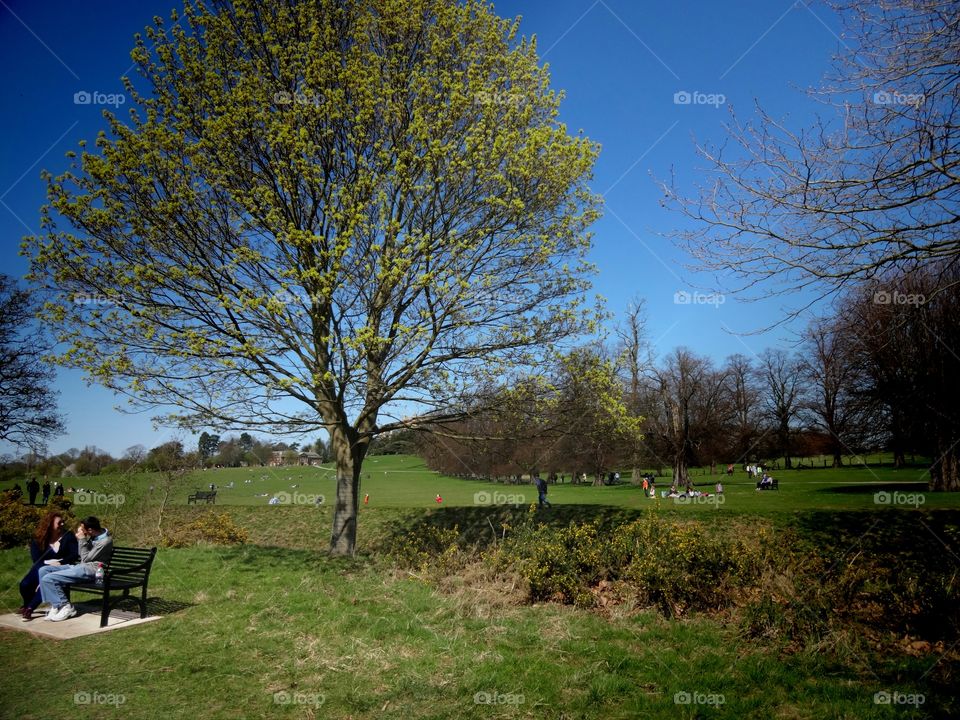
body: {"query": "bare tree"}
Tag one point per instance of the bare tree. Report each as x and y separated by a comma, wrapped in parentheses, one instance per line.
(834, 401)
(781, 397)
(743, 396)
(684, 409)
(28, 407)
(907, 339)
(875, 186)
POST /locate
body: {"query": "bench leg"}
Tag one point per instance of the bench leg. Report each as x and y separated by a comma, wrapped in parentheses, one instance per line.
(105, 610)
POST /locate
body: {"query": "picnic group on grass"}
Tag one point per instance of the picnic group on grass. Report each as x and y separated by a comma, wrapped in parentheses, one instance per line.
(61, 558)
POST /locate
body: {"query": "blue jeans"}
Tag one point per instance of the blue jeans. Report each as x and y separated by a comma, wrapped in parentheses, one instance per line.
(542, 499)
(53, 578)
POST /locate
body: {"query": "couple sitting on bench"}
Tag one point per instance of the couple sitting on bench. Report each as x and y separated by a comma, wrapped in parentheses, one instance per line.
(766, 482)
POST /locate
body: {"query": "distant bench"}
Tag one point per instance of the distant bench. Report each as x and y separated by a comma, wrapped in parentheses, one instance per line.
(208, 496)
(775, 485)
(128, 568)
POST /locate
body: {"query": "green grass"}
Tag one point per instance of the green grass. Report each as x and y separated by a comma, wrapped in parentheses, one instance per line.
(349, 638)
(360, 639)
(404, 481)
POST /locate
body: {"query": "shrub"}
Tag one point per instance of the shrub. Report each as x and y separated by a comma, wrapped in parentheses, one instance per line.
(18, 521)
(673, 566)
(210, 527)
(431, 548)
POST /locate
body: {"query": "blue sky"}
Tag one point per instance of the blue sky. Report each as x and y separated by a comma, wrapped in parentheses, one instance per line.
(620, 62)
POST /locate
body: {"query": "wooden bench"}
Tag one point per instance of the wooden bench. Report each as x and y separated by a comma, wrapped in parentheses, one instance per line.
(208, 496)
(128, 568)
(775, 485)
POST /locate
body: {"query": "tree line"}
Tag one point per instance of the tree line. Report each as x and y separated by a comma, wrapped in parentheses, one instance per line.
(876, 372)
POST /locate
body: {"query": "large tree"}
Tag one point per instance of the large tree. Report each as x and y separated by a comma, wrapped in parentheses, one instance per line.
(28, 403)
(322, 215)
(780, 374)
(905, 337)
(686, 410)
(872, 187)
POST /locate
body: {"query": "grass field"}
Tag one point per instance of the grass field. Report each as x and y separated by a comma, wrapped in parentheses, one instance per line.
(404, 481)
(276, 628)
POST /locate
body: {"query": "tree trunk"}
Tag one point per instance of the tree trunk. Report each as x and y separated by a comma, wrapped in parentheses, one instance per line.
(837, 459)
(945, 471)
(680, 473)
(349, 457)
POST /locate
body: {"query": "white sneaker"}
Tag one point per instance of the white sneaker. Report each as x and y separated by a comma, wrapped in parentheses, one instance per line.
(67, 611)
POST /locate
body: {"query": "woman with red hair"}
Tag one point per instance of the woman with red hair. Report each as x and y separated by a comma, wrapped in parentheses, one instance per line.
(52, 544)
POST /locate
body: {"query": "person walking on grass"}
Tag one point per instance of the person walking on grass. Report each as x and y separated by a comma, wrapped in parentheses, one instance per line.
(96, 547)
(33, 487)
(541, 492)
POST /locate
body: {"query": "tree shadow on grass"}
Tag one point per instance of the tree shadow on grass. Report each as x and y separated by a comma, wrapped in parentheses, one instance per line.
(874, 488)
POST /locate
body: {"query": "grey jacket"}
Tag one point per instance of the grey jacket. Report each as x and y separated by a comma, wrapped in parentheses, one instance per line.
(99, 550)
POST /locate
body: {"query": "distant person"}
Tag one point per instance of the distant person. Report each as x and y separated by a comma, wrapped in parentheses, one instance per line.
(46, 491)
(52, 545)
(541, 492)
(730, 470)
(58, 490)
(438, 499)
(95, 544)
(33, 487)
(719, 488)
